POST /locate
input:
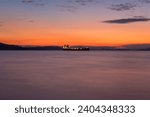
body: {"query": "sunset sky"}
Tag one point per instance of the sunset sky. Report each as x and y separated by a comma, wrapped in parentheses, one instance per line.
(75, 22)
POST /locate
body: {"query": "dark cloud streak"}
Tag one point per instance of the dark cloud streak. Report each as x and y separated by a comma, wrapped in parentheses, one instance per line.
(128, 20)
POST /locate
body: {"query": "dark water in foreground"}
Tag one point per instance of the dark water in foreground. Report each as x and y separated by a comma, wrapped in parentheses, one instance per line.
(74, 75)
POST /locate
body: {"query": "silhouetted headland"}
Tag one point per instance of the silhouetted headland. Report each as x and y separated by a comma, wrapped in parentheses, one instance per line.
(17, 47)
(132, 47)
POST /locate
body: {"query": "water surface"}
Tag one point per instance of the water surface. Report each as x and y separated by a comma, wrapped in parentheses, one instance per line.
(74, 75)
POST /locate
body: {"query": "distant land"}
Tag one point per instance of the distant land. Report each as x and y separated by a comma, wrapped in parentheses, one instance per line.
(4, 46)
(132, 47)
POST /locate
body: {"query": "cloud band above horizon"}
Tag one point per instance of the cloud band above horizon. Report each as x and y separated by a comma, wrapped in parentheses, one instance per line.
(128, 20)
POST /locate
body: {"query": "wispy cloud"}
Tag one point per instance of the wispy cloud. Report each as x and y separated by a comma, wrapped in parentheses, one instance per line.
(75, 5)
(130, 5)
(84, 2)
(128, 20)
(123, 7)
(69, 8)
(27, 20)
(144, 1)
(33, 2)
(1, 23)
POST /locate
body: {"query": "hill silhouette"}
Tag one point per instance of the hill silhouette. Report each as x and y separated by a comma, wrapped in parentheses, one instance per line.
(16, 47)
(9, 47)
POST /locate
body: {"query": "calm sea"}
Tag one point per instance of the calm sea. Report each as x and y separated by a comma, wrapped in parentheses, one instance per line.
(74, 75)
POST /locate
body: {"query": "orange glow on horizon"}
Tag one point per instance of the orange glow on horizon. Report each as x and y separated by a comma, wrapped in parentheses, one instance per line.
(61, 42)
(102, 35)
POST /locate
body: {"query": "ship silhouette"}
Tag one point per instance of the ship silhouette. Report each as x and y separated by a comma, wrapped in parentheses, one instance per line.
(68, 48)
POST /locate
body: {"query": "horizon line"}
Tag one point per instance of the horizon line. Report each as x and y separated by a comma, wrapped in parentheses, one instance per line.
(95, 45)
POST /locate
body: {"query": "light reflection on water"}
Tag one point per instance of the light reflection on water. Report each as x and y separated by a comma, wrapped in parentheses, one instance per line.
(74, 75)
